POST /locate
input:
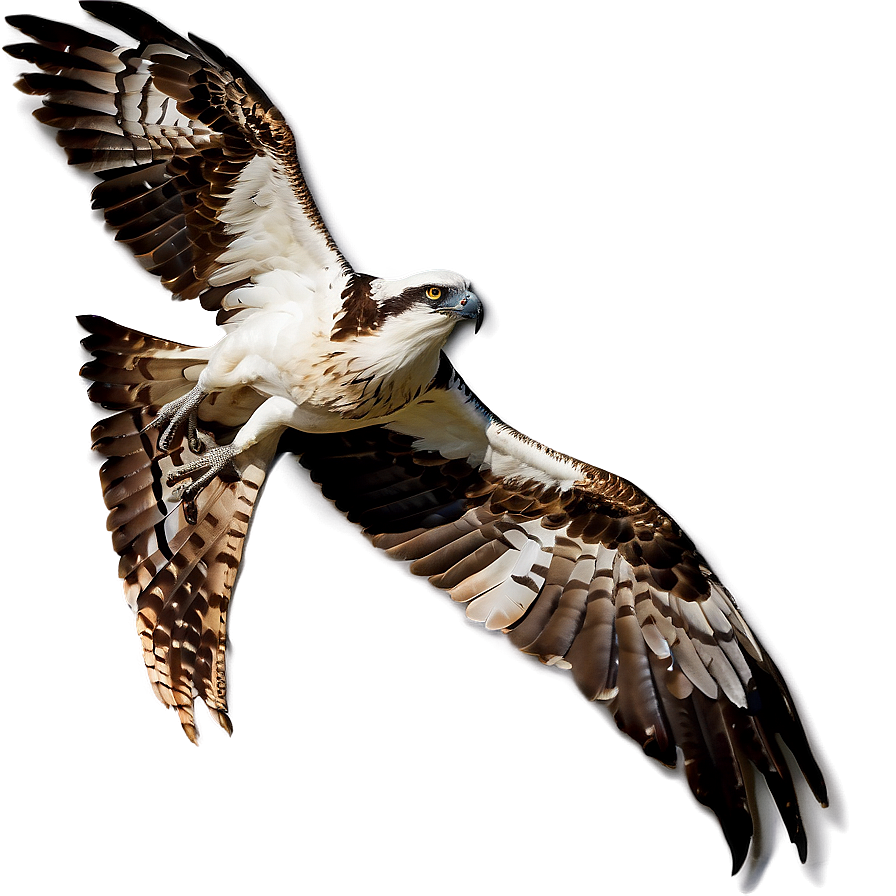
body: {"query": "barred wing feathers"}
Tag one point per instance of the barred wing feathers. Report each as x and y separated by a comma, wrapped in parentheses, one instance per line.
(581, 569)
(200, 176)
(178, 574)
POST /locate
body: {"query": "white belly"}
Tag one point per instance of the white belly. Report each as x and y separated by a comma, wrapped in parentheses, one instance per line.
(273, 351)
(284, 354)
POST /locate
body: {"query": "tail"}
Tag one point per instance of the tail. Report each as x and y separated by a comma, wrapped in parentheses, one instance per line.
(177, 576)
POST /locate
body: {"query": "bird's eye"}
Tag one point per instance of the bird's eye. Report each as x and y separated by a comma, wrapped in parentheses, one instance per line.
(433, 293)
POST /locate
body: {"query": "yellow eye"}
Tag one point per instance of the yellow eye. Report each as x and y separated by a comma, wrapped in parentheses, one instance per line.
(433, 293)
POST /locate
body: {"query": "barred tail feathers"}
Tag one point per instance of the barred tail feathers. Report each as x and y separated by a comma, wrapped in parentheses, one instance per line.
(177, 576)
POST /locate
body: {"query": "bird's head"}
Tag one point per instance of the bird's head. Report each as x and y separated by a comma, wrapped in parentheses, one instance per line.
(418, 311)
(435, 300)
(399, 327)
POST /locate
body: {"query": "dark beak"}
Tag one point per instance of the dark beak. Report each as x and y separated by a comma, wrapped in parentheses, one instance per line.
(467, 307)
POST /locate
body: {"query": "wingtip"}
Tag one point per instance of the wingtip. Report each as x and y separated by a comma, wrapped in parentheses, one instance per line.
(224, 722)
(738, 837)
(17, 20)
(739, 847)
(100, 8)
(96, 323)
(18, 51)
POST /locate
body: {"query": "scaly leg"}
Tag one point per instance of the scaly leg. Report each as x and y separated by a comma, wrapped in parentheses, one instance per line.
(200, 473)
(270, 418)
(173, 414)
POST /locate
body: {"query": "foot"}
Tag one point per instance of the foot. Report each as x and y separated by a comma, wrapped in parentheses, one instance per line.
(173, 414)
(201, 472)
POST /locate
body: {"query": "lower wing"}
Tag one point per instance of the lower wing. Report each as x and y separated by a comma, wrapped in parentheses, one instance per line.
(583, 570)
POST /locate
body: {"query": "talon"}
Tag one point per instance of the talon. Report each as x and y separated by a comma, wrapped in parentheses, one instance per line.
(201, 472)
(198, 440)
(195, 444)
(190, 514)
(173, 414)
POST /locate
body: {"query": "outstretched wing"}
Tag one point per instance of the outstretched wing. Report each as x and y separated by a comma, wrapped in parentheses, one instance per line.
(200, 176)
(581, 569)
(178, 573)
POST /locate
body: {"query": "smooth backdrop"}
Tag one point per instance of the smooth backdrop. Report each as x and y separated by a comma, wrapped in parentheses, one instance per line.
(681, 219)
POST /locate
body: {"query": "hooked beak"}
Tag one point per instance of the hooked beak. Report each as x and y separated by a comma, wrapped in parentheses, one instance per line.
(467, 307)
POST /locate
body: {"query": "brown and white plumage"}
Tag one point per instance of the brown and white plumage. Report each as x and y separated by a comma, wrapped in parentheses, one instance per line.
(201, 181)
(584, 571)
(177, 141)
(177, 577)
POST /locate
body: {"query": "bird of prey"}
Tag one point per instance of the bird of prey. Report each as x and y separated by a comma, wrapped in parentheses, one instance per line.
(199, 177)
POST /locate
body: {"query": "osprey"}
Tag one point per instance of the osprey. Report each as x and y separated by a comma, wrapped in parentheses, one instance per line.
(200, 178)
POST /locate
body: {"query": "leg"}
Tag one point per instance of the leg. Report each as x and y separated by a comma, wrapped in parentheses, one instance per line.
(233, 362)
(273, 415)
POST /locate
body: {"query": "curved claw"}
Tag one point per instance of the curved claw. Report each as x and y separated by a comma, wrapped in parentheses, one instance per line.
(173, 414)
(201, 472)
(197, 440)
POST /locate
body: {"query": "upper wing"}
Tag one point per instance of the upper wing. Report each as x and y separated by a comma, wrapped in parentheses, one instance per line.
(584, 571)
(200, 174)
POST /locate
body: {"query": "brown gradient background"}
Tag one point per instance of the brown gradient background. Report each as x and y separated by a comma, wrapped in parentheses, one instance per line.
(680, 217)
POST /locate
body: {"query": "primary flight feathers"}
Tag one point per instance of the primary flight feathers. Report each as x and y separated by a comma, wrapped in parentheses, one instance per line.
(199, 178)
